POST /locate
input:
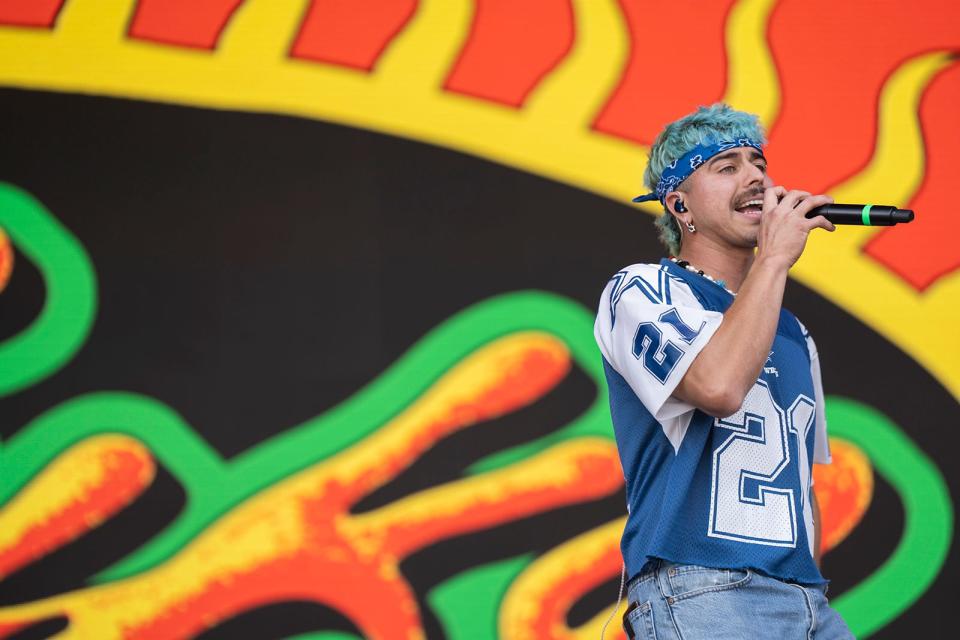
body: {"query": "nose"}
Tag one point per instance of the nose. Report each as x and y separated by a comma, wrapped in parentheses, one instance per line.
(755, 174)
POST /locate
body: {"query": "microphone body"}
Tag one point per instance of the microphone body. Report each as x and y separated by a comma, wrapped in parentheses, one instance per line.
(871, 215)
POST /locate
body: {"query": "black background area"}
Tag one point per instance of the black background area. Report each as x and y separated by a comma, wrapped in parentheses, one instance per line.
(255, 271)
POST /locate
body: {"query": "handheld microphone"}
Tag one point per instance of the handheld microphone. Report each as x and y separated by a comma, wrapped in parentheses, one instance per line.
(871, 215)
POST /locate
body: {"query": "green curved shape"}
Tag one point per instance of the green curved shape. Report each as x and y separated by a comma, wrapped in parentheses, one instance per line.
(928, 518)
(483, 588)
(63, 324)
(197, 466)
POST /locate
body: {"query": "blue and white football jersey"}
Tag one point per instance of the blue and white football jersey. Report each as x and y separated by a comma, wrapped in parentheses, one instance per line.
(725, 492)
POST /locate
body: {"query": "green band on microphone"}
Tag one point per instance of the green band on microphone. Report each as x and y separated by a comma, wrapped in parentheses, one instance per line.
(865, 214)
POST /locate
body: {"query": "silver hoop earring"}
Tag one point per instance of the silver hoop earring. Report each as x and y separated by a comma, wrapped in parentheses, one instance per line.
(690, 227)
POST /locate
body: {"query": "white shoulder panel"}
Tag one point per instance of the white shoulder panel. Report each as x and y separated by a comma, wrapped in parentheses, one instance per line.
(650, 326)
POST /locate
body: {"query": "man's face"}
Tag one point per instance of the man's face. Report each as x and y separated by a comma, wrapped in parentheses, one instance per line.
(719, 192)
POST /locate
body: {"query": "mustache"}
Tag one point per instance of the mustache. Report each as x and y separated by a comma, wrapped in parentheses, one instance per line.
(751, 195)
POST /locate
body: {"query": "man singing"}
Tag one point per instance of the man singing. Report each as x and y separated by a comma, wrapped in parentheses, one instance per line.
(716, 398)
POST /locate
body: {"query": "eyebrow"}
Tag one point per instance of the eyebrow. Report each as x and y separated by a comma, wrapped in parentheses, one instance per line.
(731, 154)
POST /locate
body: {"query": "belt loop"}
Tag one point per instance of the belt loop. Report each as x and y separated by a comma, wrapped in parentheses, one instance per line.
(660, 576)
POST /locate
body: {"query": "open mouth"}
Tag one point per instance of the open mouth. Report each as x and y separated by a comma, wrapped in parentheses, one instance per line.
(751, 207)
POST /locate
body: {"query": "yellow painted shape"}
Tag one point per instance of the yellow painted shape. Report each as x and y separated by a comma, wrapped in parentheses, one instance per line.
(67, 480)
(268, 527)
(462, 385)
(522, 602)
(922, 324)
(89, 53)
(752, 81)
(555, 468)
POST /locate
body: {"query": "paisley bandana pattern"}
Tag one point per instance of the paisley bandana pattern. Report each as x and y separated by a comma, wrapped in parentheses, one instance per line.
(681, 168)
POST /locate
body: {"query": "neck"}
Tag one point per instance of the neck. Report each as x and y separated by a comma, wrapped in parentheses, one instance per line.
(722, 263)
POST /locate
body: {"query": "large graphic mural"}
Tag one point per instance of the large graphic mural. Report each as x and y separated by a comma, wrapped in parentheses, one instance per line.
(296, 304)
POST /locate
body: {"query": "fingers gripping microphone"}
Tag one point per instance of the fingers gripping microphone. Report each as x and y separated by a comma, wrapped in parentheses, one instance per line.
(871, 215)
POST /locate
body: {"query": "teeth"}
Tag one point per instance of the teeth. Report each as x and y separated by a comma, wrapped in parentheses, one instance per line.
(750, 203)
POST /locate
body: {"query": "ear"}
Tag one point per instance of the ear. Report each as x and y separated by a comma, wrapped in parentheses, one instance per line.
(671, 202)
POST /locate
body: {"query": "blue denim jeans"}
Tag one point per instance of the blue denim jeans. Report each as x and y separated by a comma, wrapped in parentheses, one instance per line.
(670, 601)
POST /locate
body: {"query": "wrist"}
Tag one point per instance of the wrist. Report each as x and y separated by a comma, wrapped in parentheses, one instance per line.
(774, 264)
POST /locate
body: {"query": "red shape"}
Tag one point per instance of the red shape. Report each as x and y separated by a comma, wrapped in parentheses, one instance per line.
(347, 587)
(831, 83)
(126, 475)
(831, 86)
(677, 61)
(925, 250)
(30, 13)
(352, 33)
(6, 259)
(512, 45)
(9, 628)
(185, 23)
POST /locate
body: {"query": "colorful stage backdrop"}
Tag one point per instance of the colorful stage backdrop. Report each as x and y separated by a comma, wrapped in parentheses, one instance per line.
(296, 320)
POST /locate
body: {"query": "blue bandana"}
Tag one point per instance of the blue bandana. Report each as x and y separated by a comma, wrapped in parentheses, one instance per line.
(681, 168)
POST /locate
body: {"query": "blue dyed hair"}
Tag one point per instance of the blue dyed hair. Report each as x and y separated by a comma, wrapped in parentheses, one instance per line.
(706, 125)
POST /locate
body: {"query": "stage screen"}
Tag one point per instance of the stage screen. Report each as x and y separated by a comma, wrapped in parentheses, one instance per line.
(297, 303)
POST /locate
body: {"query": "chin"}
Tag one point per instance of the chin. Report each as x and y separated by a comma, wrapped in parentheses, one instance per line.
(747, 241)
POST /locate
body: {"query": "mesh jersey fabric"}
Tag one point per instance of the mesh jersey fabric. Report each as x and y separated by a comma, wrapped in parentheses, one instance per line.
(731, 492)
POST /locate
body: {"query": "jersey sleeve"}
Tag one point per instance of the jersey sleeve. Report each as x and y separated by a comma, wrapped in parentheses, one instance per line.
(650, 327)
(821, 443)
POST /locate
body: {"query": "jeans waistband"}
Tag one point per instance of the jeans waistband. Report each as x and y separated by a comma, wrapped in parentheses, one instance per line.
(649, 571)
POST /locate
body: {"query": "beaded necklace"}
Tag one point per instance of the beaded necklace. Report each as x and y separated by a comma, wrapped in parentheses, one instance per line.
(689, 267)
